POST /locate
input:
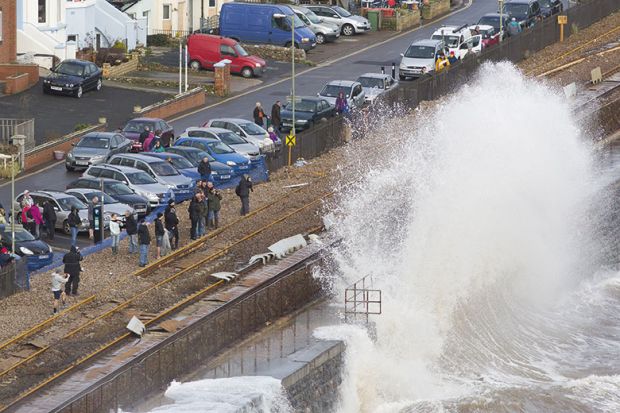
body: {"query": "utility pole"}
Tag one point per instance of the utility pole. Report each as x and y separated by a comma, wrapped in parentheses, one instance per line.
(501, 19)
(202, 14)
(290, 148)
(13, 157)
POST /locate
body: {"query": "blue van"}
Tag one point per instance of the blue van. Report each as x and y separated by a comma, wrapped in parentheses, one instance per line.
(264, 23)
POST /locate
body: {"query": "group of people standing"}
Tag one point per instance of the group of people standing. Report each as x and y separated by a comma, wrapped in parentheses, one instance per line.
(37, 217)
(204, 209)
(262, 120)
(151, 141)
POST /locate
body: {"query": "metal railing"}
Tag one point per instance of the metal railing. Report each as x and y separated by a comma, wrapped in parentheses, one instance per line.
(12, 127)
(361, 300)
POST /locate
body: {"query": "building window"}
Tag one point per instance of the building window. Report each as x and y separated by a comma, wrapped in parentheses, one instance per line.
(211, 3)
(42, 11)
(166, 15)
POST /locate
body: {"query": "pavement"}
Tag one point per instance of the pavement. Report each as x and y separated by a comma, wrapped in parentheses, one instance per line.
(57, 115)
(358, 58)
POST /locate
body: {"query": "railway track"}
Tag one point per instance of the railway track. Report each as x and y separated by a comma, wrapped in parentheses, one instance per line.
(58, 345)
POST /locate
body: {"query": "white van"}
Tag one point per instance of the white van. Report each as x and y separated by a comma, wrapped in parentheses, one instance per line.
(458, 40)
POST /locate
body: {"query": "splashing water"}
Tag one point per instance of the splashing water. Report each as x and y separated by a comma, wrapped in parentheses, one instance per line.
(479, 231)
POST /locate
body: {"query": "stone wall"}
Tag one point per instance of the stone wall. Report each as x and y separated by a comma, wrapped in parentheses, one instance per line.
(179, 104)
(401, 21)
(314, 387)
(131, 65)
(277, 53)
(435, 8)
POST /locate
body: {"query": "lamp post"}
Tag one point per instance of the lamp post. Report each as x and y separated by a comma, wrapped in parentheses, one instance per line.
(501, 19)
(13, 157)
(293, 133)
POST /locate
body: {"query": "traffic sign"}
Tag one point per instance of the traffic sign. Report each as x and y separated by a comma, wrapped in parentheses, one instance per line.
(562, 19)
(290, 140)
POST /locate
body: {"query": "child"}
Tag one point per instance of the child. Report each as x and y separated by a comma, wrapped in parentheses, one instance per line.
(57, 283)
(115, 233)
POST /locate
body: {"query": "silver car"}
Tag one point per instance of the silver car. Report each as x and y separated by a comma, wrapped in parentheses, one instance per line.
(249, 131)
(324, 31)
(375, 85)
(139, 181)
(349, 24)
(230, 138)
(353, 91)
(110, 204)
(62, 204)
(95, 148)
(419, 58)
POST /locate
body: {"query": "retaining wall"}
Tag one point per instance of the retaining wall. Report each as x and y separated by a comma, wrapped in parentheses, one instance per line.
(179, 104)
(18, 77)
(131, 65)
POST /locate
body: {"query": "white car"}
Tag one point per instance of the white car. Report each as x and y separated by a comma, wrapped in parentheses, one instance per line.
(419, 58)
(375, 85)
(458, 40)
(353, 91)
(248, 130)
(229, 137)
(349, 24)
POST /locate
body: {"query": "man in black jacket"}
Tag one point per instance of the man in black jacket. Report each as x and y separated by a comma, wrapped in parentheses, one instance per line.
(72, 267)
(194, 214)
(132, 231)
(243, 191)
(159, 233)
(172, 224)
(204, 169)
(49, 216)
(276, 118)
(144, 239)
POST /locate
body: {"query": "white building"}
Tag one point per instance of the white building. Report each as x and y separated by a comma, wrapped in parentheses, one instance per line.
(170, 16)
(97, 23)
(41, 31)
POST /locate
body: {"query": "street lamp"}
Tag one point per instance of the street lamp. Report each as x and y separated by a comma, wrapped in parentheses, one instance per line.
(283, 16)
(501, 18)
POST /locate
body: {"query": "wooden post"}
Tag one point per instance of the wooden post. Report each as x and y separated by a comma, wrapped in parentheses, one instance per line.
(562, 20)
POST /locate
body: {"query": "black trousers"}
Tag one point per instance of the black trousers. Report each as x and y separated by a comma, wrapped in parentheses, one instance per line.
(173, 234)
(71, 286)
(50, 226)
(194, 227)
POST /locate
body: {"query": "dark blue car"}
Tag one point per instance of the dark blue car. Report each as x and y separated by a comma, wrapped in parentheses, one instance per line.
(219, 151)
(219, 172)
(37, 253)
(73, 77)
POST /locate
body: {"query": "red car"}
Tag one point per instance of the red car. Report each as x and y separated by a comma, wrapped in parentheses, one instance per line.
(490, 36)
(205, 50)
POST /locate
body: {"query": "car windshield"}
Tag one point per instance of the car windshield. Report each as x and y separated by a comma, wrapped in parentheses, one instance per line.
(196, 156)
(420, 52)
(371, 82)
(230, 138)
(180, 162)
(107, 199)
(451, 41)
(70, 201)
(516, 9)
(20, 235)
(137, 126)
(94, 142)
(487, 33)
(163, 168)
(140, 178)
(302, 106)
(220, 148)
(71, 69)
(333, 90)
(117, 188)
(544, 3)
(240, 50)
(252, 128)
(341, 11)
(490, 21)
(312, 17)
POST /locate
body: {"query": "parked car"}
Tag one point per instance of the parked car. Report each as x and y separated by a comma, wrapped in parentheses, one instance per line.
(375, 85)
(159, 169)
(110, 204)
(308, 111)
(95, 148)
(73, 77)
(220, 172)
(249, 131)
(459, 40)
(117, 189)
(230, 138)
(137, 180)
(493, 19)
(353, 91)
(490, 36)
(419, 58)
(181, 164)
(62, 204)
(264, 23)
(220, 151)
(527, 12)
(324, 31)
(349, 24)
(135, 127)
(550, 7)
(205, 50)
(37, 253)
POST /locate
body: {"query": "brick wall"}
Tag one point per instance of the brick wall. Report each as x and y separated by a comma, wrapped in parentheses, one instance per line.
(8, 44)
(44, 154)
(18, 77)
(179, 104)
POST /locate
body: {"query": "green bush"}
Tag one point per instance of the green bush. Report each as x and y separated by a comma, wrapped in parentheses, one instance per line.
(119, 44)
(80, 126)
(5, 172)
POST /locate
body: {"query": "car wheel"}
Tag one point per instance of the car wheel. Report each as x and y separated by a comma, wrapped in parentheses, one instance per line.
(78, 92)
(195, 65)
(348, 30)
(99, 84)
(247, 72)
(320, 38)
(66, 229)
(69, 168)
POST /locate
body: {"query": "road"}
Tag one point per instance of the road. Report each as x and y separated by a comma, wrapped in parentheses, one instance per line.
(307, 82)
